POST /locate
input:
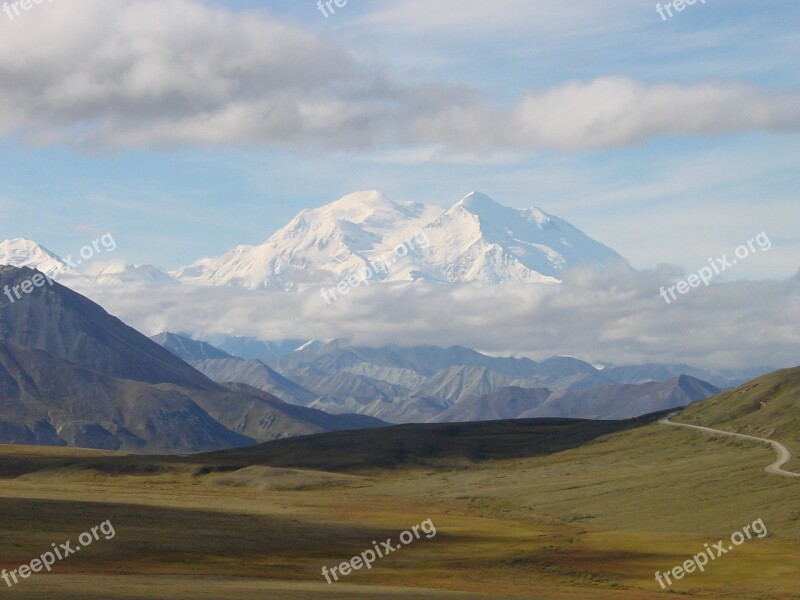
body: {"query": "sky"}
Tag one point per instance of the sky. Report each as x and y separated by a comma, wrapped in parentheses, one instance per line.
(187, 127)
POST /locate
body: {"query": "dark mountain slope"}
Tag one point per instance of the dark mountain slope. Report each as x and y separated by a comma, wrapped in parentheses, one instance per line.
(48, 400)
(440, 444)
(72, 374)
(65, 324)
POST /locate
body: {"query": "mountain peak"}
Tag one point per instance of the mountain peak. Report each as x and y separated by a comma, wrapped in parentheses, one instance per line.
(21, 243)
(482, 204)
(475, 240)
(363, 201)
(370, 209)
(478, 202)
(363, 197)
(22, 252)
(188, 349)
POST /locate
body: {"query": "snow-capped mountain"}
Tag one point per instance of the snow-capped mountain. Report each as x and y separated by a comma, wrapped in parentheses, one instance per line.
(25, 253)
(367, 235)
(318, 246)
(478, 239)
(114, 273)
(475, 240)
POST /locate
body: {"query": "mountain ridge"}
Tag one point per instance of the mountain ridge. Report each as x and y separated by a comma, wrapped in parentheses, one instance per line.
(430, 384)
(474, 240)
(72, 374)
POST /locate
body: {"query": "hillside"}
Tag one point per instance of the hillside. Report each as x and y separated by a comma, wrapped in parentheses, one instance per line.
(568, 510)
(256, 374)
(441, 444)
(506, 403)
(72, 374)
(429, 384)
(63, 323)
(49, 401)
(768, 406)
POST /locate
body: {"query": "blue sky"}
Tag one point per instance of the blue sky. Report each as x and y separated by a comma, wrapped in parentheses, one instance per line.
(702, 152)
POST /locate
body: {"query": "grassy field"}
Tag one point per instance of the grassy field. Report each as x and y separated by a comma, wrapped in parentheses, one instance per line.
(592, 519)
(765, 407)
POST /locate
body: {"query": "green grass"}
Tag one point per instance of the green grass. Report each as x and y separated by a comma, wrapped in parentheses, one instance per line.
(590, 516)
(765, 407)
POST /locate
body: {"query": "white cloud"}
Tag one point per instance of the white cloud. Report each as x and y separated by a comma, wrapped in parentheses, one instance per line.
(614, 112)
(610, 317)
(144, 73)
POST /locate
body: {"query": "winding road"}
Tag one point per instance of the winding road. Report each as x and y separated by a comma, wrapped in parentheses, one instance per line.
(784, 453)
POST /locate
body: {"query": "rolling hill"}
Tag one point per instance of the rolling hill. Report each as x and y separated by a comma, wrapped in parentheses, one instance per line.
(544, 508)
(768, 407)
(408, 446)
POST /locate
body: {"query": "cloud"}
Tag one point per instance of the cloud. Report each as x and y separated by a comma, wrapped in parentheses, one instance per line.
(100, 74)
(600, 317)
(613, 112)
(136, 73)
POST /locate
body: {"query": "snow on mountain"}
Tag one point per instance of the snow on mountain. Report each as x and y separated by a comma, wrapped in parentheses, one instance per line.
(318, 246)
(310, 345)
(117, 272)
(475, 240)
(25, 253)
(478, 239)
(252, 348)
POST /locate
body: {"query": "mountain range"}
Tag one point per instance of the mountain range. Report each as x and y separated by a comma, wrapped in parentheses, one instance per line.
(71, 374)
(121, 390)
(476, 240)
(431, 384)
(620, 401)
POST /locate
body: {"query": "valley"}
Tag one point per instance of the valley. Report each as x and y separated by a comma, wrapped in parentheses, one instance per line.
(596, 520)
(218, 488)
(407, 301)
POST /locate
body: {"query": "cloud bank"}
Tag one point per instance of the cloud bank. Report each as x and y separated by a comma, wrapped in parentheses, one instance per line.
(600, 317)
(101, 74)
